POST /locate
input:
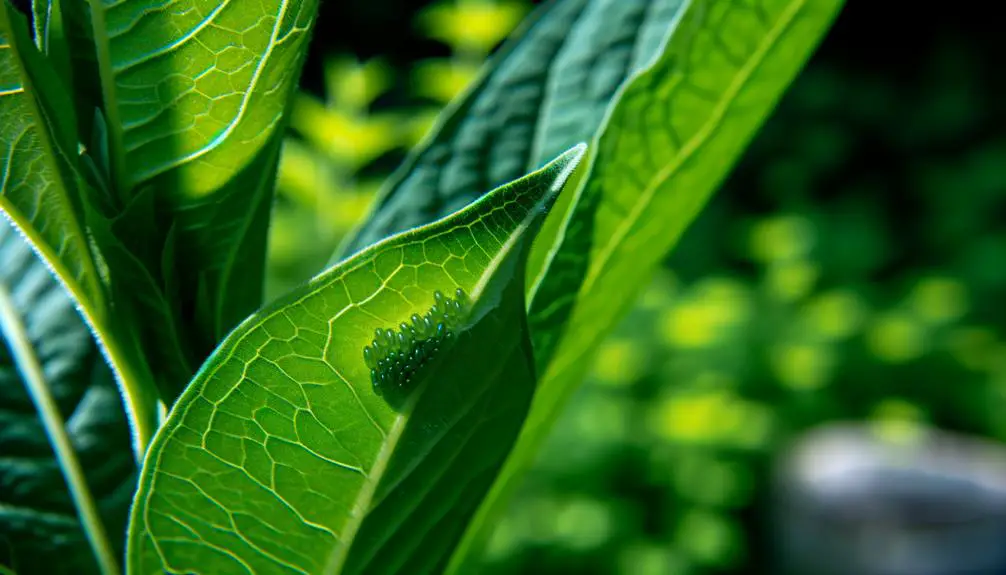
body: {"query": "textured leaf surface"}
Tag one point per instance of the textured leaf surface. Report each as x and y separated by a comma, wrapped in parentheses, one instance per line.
(195, 95)
(671, 140)
(195, 89)
(547, 89)
(281, 458)
(39, 529)
(41, 191)
(36, 187)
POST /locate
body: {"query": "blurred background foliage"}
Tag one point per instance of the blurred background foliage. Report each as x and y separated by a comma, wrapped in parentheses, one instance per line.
(852, 268)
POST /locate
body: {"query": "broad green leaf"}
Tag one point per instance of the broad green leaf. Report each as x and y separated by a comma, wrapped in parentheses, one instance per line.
(193, 90)
(281, 458)
(195, 94)
(39, 527)
(671, 139)
(37, 147)
(547, 88)
(41, 192)
(151, 261)
(229, 247)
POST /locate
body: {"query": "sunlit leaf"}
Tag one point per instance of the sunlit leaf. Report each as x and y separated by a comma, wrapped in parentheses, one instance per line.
(37, 150)
(283, 457)
(195, 96)
(670, 140)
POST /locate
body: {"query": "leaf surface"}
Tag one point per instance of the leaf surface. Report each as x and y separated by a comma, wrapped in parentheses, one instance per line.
(280, 457)
(195, 95)
(547, 88)
(37, 148)
(672, 138)
(195, 89)
(41, 192)
(39, 527)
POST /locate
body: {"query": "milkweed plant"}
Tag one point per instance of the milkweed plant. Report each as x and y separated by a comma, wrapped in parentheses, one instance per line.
(165, 412)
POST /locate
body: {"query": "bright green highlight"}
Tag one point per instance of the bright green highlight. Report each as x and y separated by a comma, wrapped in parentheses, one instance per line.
(280, 458)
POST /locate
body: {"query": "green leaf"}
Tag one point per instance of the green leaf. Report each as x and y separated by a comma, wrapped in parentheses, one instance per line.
(142, 292)
(195, 95)
(282, 458)
(547, 88)
(39, 527)
(195, 91)
(671, 139)
(41, 192)
(224, 238)
(37, 148)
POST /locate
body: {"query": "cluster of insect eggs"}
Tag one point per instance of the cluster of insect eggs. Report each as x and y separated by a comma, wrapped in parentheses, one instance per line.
(395, 355)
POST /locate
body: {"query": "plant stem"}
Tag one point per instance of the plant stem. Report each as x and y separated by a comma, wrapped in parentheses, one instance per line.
(13, 331)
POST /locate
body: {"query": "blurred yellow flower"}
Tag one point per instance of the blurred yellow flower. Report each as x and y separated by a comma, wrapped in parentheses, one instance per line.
(896, 420)
(618, 362)
(715, 306)
(791, 279)
(714, 416)
(442, 80)
(472, 25)
(351, 141)
(352, 85)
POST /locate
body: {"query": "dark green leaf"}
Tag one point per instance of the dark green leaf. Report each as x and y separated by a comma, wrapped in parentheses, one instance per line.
(548, 88)
(41, 192)
(282, 458)
(39, 528)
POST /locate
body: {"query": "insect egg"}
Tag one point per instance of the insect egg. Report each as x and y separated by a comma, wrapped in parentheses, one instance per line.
(396, 355)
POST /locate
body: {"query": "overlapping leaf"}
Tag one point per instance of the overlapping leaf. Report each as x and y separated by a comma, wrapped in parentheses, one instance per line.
(548, 88)
(42, 192)
(280, 457)
(195, 95)
(39, 528)
(195, 89)
(671, 139)
(37, 149)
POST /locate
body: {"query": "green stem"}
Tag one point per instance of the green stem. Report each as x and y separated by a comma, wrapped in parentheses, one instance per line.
(13, 331)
